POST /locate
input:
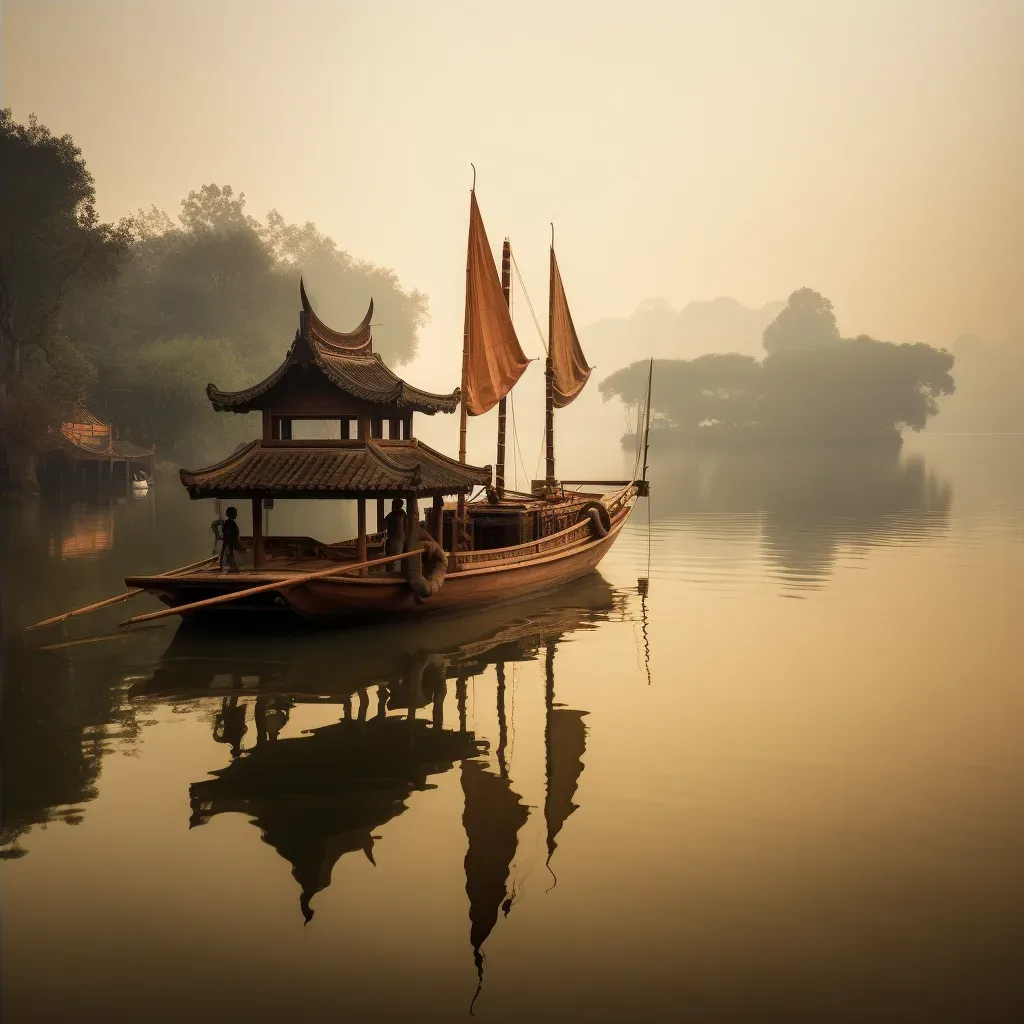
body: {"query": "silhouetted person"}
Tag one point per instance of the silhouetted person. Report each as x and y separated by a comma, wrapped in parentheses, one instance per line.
(229, 726)
(230, 540)
(271, 715)
(395, 525)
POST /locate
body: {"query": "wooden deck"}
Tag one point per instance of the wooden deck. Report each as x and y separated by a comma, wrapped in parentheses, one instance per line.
(478, 577)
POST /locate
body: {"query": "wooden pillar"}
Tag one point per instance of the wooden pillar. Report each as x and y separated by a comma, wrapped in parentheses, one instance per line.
(257, 533)
(412, 521)
(128, 477)
(361, 535)
(437, 526)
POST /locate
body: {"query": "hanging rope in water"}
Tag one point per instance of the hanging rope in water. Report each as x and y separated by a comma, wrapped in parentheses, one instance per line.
(526, 295)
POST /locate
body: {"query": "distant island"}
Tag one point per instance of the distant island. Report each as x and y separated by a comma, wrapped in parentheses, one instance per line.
(811, 386)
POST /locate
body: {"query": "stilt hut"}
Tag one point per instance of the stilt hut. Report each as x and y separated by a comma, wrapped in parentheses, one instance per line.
(85, 450)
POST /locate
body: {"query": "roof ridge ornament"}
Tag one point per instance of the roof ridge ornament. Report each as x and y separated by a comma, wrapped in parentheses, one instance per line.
(355, 342)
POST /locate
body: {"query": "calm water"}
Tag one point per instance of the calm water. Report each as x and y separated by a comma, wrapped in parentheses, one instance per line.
(786, 783)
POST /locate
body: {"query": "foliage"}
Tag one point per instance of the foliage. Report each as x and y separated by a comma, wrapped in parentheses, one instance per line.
(852, 390)
(161, 391)
(51, 239)
(807, 322)
(220, 290)
(135, 319)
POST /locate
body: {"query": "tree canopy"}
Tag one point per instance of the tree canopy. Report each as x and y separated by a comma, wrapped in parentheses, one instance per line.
(51, 240)
(851, 390)
(135, 318)
(807, 322)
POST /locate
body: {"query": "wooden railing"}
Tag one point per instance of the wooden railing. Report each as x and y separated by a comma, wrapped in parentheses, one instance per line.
(571, 537)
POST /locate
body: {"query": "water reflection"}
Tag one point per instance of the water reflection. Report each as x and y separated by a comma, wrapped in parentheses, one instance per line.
(57, 723)
(329, 791)
(319, 796)
(803, 507)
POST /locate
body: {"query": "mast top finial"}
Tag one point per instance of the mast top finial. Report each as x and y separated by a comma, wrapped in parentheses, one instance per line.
(473, 187)
(552, 234)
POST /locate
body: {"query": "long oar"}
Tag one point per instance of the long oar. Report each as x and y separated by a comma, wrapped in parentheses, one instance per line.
(114, 600)
(283, 584)
(119, 635)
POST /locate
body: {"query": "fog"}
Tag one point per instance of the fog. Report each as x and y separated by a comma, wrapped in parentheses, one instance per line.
(685, 150)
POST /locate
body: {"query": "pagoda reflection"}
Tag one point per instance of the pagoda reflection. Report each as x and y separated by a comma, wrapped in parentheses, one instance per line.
(330, 790)
(319, 796)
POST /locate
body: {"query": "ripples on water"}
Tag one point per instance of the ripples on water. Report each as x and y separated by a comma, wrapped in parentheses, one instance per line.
(612, 803)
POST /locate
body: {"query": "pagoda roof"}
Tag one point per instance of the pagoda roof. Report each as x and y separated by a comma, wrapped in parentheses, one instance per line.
(348, 362)
(85, 436)
(319, 469)
(111, 448)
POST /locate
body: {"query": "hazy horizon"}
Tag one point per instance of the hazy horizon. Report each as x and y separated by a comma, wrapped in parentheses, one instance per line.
(687, 153)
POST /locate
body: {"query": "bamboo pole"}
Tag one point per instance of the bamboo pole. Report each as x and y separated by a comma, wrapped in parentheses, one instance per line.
(283, 584)
(647, 425)
(118, 635)
(506, 290)
(114, 600)
(549, 374)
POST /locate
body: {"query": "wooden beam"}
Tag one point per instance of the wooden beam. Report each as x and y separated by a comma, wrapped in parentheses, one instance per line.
(257, 533)
(437, 525)
(361, 536)
(281, 584)
(117, 599)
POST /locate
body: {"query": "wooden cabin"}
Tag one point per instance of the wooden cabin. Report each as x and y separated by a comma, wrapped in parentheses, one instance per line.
(85, 450)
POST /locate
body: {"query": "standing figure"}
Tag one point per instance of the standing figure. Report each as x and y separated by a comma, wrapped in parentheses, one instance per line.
(230, 540)
(395, 525)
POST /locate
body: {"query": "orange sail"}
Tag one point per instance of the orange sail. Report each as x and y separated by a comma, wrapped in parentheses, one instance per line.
(492, 359)
(569, 370)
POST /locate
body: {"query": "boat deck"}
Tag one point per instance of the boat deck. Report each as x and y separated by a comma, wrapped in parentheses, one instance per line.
(275, 569)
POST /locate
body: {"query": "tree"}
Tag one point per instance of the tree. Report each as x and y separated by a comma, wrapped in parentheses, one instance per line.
(807, 322)
(50, 239)
(51, 236)
(712, 390)
(852, 390)
(220, 289)
(859, 389)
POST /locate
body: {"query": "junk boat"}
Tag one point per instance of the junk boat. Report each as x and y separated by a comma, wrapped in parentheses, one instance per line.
(501, 545)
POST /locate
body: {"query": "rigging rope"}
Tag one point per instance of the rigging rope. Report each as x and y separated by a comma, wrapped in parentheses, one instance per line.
(526, 295)
(515, 440)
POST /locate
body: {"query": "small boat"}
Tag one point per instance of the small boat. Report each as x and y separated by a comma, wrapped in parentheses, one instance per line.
(459, 554)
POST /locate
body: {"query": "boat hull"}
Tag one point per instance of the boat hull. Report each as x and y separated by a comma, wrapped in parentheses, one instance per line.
(367, 598)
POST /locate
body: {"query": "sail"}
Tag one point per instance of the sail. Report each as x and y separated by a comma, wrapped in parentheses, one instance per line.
(569, 368)
(494, 814)
(493, 360)
(567, 743)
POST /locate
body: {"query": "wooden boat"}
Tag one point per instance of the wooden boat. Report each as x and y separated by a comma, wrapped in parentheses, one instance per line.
(200, 663)
(500, 545)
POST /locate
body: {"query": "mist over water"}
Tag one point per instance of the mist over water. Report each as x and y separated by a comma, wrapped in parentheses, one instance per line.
(781, 781)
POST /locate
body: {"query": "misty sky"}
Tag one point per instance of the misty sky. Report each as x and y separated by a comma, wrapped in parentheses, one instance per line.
(870, 150)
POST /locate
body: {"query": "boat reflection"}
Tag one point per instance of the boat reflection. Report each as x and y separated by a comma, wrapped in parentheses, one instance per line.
(406, 657)
(328, 791)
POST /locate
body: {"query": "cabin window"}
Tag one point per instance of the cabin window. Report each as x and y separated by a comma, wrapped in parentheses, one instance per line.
(316, 430)
(349, 428)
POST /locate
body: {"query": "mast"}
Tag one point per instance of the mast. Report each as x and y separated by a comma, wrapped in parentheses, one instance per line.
(647, 424)
(460, 515)
(506, 290)
(549, 371)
